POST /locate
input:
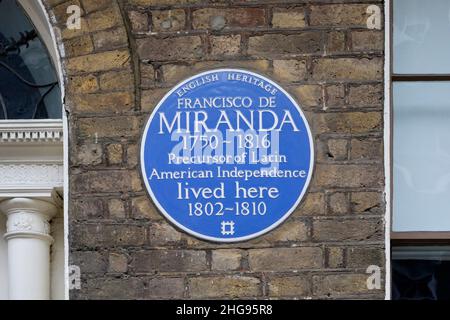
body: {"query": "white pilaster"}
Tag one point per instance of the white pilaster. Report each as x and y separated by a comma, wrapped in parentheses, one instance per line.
(29, 240)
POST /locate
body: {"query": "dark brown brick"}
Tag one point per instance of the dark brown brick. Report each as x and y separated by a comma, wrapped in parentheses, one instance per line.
(366, 95)
(350, 176)
(348, 230)
(367, 202)
(110, 288)
(89, 261)
(290, 286)
(108, 235)
(119, 126)
(362, 257)
(224, 286)
(370, 40)
(269, 45)
(168, 261)
(168, 20)
(340, 285)
(348, 122)
(367, 149)
(285, 259)
(218, 19)
(165, 287)
(348, 69)
(166, 49)
(88, 208)
(354, 15)
(106, 181)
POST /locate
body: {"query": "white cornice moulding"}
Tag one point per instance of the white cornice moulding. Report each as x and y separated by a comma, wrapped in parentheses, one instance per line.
(31, 131)
(31, 158)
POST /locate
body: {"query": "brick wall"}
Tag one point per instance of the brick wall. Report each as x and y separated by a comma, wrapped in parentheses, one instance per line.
(129, 53)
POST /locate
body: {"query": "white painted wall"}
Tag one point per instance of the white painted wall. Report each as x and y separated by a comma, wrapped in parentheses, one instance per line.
(3, 260)
(57, 290)
(57, 259)
(387, 144)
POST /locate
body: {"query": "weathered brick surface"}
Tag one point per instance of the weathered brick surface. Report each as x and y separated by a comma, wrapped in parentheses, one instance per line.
(117, 263)
(336, 286)
(311, 95)
(100, 288)
(114, 153)
(88, 209)
(87, 154)
(163, 49)
(314, 204)
(118, 126)
(367, 202)
(108, 235)
(281, 44)
(122, 61)
(335, 42)
(91, 6)
(290, 70)
(365, 95)
(291, 17)
(162, 234)
(351, 122)
(101, 61)
(370, 149)
(285, 259)
(335, 257)
(348, 176)
(168, 20)
(111, 102)
(173, 73)
(225, 45)
(168, 261)
(367, 40)
(224, 18)
(224, 286)
(83, 84)
(116, 208)
(106, 181)
(347, 230)
(161, 288)
(226, 259)
(290, 286)
(139, 21)
(79, 46)
(332, 149)
(348, 69)
(110, 39)
(362, 257)
(89, 261)
(338, 203)
(339, 15)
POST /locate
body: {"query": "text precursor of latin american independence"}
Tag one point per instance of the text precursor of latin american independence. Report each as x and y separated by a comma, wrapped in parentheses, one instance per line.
(188, 120)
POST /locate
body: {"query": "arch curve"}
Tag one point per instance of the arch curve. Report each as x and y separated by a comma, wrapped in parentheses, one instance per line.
(98, 73)
(38, 15)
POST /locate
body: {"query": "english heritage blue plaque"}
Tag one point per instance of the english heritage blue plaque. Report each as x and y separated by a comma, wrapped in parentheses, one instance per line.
(227, 155)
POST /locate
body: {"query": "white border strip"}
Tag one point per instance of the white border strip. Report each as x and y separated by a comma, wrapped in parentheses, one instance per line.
(387, 145)
(58, 66)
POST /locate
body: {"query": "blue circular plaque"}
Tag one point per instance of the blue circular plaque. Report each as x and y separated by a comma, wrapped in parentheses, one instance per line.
(227, 155)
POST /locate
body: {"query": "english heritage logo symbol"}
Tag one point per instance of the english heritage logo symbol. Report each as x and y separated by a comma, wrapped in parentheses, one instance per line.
(227, 155)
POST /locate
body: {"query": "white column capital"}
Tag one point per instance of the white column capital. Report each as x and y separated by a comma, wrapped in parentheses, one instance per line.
(28, 218)
(28, 236)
